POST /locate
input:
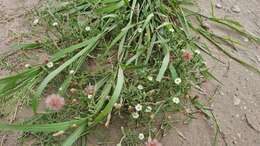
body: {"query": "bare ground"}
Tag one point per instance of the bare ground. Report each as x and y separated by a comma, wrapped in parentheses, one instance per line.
(236, 104)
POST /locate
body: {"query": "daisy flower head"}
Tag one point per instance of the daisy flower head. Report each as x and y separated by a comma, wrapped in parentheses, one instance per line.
(35, 21)
(87, 28)
(187, 55)
(135, 115)
(176, 100)
(27, 65)
(55, 102)
(140, 87)
(141, 136)
(90, 96)
(153, 142)
(50, 64)
(197, 52)
(177, 81)
(148, 109)
(72, 72)
(139, 30)
(117, 105)
(150, 78)
(171, 30)
(138, 107)
(55, 24)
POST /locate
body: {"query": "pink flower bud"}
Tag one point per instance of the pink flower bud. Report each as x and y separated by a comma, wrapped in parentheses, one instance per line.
(55, 102)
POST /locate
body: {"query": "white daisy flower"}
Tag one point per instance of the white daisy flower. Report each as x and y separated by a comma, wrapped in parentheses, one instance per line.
(148, 109)
(117, 105)
(140, 87)
(177, 81)
(138, 107)
(72, 72)
(90, 96)
(60, 89)
(139, 30)
(35, 21)
(197, 52)
(27, 65)
(171, 30)
(135, 115)
(50, 64)
(55, 24)
(150, 78)
(141, 136)
(87, 28)
(176, 100)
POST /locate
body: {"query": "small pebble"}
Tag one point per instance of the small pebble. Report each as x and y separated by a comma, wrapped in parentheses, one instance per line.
(236, 9)
(246, 39)
(219, 6)
(205, 25)
(258, 58)
(236, 101)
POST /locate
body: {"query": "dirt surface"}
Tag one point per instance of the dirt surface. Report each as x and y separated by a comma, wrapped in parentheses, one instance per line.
(236, 103)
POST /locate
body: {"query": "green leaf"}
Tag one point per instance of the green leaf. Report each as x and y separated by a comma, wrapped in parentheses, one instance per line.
(74, 136)
(26, 46)
(114, 98)
(173, 72)
(41, 128)
(54, 73)
(111, 7)
(164, 67)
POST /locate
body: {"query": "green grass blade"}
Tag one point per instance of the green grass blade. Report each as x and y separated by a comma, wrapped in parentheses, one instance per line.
(164, 67)
(114, 98)
(74, 136)
(41, 128)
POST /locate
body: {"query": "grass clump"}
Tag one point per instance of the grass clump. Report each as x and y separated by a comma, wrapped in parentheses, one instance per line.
(113, 58)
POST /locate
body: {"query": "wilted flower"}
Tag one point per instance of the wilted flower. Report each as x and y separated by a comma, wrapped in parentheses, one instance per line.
(138, 107)
(50, 64)
(140, 87)
(135, 115)
(141, 136)
(177, 81)
(55, 102)
(187, 55)
(176, 100)
(89, 90)
(153, 142)
(58, 133)
(73, 90)
(148, 109)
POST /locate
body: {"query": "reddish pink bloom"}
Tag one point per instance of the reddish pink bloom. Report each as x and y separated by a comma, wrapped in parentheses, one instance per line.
(153, 142)
(55, 102)
(187, 55)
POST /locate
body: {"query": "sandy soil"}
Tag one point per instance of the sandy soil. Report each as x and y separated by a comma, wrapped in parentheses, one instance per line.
(236, 104)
